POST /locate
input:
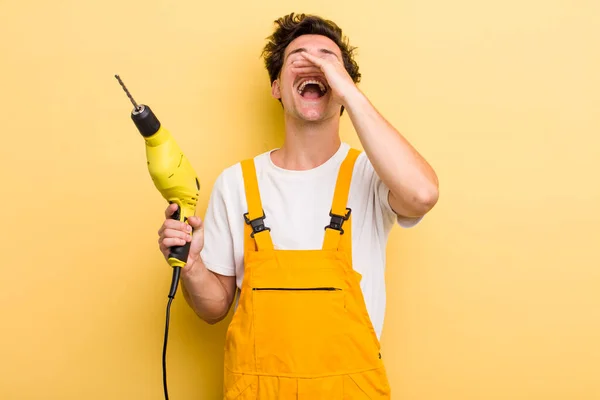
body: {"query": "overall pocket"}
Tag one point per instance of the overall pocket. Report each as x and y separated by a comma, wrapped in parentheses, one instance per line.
(367, 385)
(300, 331)
(239, 386)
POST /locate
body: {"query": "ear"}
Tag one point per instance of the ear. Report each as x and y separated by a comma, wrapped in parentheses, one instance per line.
(275, 89)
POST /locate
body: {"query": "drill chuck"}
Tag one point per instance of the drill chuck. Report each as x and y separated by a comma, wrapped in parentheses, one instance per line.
(145, 120)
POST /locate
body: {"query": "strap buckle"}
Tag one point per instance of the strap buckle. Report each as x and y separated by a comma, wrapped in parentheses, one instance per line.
(338, 220)
(257, 224)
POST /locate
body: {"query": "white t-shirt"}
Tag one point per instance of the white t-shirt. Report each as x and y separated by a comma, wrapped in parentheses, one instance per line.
(297, 205)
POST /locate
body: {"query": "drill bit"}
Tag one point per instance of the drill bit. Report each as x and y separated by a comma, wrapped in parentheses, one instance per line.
(137, 108)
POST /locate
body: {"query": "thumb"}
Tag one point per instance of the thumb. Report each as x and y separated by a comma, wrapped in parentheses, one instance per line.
(195, 222)
(197, 238)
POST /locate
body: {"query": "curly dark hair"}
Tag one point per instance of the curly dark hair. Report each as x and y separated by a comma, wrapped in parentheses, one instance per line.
(292, 26)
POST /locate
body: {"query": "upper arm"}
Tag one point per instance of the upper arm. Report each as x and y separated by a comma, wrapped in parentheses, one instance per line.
(228, 283)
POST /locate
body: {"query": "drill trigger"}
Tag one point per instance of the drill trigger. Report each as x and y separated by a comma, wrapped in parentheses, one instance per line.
(177, 214)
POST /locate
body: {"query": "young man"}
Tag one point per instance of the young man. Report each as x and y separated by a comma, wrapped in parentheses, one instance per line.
(302, 231)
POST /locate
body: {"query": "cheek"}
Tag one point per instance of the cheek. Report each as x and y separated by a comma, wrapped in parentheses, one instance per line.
(287, 76)
(286, 87)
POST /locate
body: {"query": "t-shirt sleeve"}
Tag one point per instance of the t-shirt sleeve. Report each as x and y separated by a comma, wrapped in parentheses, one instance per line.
(218, 252)
(382, 192)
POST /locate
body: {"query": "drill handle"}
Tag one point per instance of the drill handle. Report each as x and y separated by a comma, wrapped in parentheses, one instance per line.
(178, 254)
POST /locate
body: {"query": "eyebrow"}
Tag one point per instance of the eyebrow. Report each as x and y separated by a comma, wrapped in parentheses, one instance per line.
(300, 49)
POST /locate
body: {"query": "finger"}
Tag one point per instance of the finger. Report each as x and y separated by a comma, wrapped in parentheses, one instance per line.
(174, 233)
(307, 70)
(170, 210)
(302, 63)
(315, 60)
(174, 224)
(312, 66)
(170, 242)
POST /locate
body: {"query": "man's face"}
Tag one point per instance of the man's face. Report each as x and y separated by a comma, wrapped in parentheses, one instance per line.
(307, 96)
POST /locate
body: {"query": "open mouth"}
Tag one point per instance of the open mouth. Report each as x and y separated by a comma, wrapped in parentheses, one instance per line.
(312, 89)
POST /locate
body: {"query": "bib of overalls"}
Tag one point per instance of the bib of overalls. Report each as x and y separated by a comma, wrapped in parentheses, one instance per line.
(301, 329)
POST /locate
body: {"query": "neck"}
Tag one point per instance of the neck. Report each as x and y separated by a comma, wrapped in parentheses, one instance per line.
(307, 144)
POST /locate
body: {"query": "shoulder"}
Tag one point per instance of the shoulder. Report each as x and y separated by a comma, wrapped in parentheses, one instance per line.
(230, 182)
(363, 167)
(229, 176)
(364, 176)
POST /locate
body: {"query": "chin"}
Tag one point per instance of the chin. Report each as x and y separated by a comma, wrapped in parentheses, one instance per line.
(312, 115)
(314, 111)
(311, 110)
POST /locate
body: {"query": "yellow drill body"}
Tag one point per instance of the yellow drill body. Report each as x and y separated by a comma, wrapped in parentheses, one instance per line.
(173, 176)
(170, 171)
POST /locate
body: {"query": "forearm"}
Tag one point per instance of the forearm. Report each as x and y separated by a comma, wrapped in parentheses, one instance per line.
(411, 180)
(205, 293)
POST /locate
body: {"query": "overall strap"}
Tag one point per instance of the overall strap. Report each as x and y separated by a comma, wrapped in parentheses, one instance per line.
(256, 234)
(341, 220)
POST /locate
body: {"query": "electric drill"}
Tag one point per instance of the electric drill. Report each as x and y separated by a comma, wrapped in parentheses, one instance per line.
(174, 178)
(171, 173)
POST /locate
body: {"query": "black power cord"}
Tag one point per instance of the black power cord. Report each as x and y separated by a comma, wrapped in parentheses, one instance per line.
(180, 253)
(174, 283)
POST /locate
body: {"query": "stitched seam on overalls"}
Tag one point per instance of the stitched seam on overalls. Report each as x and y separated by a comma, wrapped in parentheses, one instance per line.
(299, 376)
(359, 387)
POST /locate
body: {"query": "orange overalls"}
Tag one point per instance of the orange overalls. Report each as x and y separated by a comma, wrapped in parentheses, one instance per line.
(301, 329)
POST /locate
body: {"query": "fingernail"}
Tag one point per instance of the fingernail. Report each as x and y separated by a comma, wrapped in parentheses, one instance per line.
(188, 228)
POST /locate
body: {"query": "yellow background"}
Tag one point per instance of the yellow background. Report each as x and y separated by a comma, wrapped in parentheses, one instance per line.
(496, 295)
